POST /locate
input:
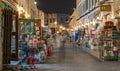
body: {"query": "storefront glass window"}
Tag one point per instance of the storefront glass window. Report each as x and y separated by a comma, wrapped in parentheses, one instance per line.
(13, 45)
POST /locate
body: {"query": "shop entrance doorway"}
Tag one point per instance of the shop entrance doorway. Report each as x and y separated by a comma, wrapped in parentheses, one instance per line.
(9, 35)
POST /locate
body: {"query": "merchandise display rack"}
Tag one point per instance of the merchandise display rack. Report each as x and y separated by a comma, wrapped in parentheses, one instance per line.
(111, 41)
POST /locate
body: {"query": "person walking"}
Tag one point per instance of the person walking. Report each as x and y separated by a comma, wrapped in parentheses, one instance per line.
(62, 49)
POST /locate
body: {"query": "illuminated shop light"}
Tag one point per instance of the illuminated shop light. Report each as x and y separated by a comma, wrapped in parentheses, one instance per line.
(35, 2)
(112, 16)
(98, 18)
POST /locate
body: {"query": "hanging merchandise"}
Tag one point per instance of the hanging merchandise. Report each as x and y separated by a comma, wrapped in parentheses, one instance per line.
(110, 38)
(26, 26)
(43, 50)
(112, 55)
(38, 57)
(93, 33)
(119, 56)
(30, 60)
(108, 51)
(49, 45)
(105, 54)
(115, 51)
(91, 44)
(50, 51)
(96, 26)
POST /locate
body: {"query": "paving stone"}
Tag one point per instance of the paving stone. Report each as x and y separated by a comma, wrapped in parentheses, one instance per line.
(75, 59)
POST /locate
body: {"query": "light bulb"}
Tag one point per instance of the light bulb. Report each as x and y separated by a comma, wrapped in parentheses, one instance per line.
(35, 2)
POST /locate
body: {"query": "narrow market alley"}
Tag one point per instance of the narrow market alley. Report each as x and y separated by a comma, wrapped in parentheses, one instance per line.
(75, 59)
(60, 35)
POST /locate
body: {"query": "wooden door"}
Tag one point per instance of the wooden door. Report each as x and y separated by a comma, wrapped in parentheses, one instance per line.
(6, 35)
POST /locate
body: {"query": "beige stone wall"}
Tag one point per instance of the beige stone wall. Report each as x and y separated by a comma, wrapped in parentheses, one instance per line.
(116, 4)
(73, 21)
(116, 7)
(32, 9)
(77, 2)
(52, 18)
(0, 40)
(29, 7)
(41, 16)
(23, 3)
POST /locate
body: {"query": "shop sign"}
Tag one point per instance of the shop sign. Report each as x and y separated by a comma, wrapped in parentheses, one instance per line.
(105, 8)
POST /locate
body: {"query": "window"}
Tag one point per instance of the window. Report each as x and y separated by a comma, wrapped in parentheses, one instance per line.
(98, 2)
(47, 20)
(86, 1)
(95, 1)
(50, 20)
(89, 4)
(92, 3)
(53, 19)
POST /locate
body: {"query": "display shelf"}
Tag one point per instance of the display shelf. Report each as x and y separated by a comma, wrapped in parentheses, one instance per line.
(110, 39)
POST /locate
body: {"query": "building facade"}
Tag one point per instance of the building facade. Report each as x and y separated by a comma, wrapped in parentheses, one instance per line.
(116, 8)
(51, 19)
(23, 8)
(87, 10)
(84, 7)
(90, 16)
(28, 8)
(55, 20)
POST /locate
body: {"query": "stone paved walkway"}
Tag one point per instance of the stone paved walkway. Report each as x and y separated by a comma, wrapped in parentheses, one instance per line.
(76, 59)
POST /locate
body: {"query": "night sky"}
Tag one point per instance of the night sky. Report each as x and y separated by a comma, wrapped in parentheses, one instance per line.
(56, 6)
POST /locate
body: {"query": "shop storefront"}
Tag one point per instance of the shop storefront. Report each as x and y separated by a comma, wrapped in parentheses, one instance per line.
(9, 33)
(89, 29)
(102, 36)
(32, 47)
(26, 32)
(111, 36)
(22, 38)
